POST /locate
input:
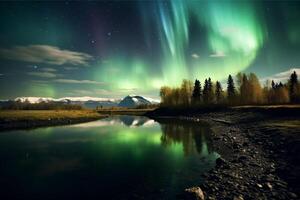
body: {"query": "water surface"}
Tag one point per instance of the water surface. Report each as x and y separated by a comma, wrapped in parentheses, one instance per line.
(122, 157)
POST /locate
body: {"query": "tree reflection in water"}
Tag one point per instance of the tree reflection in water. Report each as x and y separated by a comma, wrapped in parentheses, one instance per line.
(195, 137)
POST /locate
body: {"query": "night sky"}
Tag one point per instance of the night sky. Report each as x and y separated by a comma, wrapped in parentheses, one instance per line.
(112, 49)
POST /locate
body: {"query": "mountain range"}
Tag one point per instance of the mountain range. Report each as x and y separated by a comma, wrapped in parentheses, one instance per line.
(129, 101)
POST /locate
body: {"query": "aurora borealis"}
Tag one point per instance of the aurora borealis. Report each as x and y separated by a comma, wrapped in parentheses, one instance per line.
(115, 48)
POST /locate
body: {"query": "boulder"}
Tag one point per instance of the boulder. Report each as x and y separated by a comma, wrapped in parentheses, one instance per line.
(195, 193)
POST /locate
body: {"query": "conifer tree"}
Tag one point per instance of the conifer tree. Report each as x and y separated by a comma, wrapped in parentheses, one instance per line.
(210, 93)
(230, 90)
(293, 82)
(219, 92)
(196, 96)
(273, 85)
(205, 92)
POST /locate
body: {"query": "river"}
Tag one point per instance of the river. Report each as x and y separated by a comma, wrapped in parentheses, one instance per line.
(120, 157)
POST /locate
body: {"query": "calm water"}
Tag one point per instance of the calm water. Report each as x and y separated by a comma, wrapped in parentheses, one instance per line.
(122, 157)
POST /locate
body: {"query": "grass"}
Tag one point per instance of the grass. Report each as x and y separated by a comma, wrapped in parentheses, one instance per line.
(27, 119)
(32, 115)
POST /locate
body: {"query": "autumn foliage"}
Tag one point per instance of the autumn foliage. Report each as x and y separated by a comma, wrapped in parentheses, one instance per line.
(245, 90)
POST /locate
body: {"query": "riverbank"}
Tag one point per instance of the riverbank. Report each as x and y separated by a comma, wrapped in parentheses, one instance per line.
(259, 148)
(25, 119)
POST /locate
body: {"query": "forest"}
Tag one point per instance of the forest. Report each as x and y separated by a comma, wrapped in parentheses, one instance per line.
(244, 89)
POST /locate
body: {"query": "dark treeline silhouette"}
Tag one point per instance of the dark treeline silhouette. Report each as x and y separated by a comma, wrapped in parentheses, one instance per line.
(195, 138)
(26, 105)
(246, 90)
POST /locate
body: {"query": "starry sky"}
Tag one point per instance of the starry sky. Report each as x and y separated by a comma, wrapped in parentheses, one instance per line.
(116, 48)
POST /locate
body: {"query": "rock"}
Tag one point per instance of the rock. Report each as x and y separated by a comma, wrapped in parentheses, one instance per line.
(241, 158)
(274, 194)
(236, 146)
(293, 195)
(196, 193)
(269, 186)
(240, 197)
(254, 164)
(220, 161)
(245, 144)
(281, 184)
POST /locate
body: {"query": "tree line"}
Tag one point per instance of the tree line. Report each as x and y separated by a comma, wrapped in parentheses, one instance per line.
(244, 90)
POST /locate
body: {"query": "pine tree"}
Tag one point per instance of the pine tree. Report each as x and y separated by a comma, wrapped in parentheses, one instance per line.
(219, 92)
(273, 85)
(210, 91)
(205, 92)
(293, 82)
(196, 96)
(230, 89)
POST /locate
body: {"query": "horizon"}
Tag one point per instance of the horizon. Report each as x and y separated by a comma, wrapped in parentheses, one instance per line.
(112, 49)
(77, 98)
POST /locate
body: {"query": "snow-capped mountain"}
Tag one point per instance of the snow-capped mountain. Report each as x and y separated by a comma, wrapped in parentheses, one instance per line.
(132, 101)
(33, 99)
(129, 101)
(88, 102)
(64, 99)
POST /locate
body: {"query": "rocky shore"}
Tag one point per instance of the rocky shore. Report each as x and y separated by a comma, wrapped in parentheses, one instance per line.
(258, 160)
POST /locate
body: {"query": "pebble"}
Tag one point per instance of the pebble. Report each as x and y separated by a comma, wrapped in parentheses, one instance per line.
(250, 174)
(240, 197)
(269, 186)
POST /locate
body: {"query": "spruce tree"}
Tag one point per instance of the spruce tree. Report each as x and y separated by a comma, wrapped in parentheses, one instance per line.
(273, 85)
(293, 82)
(196, 96)
(205, 92)
(210, 91)
(219, 92)
(230, 89)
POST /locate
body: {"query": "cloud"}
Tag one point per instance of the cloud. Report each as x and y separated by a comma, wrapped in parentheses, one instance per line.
(219, 54)
(42, 74)
(194, 55)
(45, 54)
(78, 81)
(282, 76)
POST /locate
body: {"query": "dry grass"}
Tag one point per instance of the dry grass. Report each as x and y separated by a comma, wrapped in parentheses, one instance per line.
(16, 115)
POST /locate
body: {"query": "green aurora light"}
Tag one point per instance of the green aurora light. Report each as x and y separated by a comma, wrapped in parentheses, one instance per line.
(233, 33)
(135, 47)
